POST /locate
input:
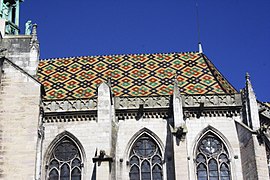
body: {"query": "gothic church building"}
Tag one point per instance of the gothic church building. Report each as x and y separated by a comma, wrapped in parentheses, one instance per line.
(169, 116)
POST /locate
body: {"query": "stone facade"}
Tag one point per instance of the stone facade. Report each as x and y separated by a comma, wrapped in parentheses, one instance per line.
(19, 104)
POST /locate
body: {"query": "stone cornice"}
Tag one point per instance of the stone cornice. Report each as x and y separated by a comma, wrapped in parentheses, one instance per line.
(157, 102)
(146, 107)
(70, 105)
(147, 102)
(212, 100)
(69, 117)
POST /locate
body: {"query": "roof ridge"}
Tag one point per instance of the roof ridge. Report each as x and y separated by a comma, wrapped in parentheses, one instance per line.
(130, 54)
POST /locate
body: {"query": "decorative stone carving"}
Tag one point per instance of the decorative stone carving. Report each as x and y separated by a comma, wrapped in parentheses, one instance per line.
(148, 102)
(28, 27)
(70, 105)
(212, 100)
(34, 40)
(180, 132)
(124, 115)
(153, 107)
(69, 118)
(212, 113)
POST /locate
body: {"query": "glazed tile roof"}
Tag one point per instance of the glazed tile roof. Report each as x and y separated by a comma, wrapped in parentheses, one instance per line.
(131, 75)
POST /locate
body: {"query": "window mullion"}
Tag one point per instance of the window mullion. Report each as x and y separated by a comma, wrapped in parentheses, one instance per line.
(219, 174)
(65, 152)
(59, 172)
(145, 149)
(215, 154)
(151, 168)
(140, 169)
(70, 169)
(207, 169)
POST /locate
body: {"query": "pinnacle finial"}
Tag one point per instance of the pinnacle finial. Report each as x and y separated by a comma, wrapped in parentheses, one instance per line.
(200, 48)
(34, 40)
(109, 82)
(176, 85)
(175, 79)
(34, 30)
(247, 76)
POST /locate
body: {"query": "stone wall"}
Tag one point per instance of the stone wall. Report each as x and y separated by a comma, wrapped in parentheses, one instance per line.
(21, 52)
(19, 115)
(131, 129)
(247, 152)
(224, 128)
(254, 161)
(88, 133)
(178, 155)
(92, 133)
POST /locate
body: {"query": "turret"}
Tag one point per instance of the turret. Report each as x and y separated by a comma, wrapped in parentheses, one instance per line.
(21, 49)
(9, 17)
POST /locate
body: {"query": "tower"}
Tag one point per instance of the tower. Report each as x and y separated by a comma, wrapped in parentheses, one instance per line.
(9, 16)
(21, 49)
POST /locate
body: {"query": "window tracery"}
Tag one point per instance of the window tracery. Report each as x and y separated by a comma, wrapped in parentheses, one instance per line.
(65, 161)
(212, 159)
(145, 160)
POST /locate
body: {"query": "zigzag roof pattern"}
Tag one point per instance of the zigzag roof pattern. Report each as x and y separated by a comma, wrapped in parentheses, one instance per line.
(131, 75)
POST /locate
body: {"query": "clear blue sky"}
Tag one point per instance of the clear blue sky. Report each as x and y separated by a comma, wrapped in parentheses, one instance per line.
(235, 33)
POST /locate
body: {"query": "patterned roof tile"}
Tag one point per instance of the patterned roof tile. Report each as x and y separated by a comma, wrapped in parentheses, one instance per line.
(131, 75)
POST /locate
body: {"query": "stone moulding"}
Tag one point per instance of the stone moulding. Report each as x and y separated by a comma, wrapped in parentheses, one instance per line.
(212, 100)
(153, 114)
(70, 105)
(63, 117)
(197, 113)
(147, 102)
(147, 107)
(226, 105)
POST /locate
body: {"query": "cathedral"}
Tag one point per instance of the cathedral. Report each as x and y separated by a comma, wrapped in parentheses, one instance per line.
(164, 116)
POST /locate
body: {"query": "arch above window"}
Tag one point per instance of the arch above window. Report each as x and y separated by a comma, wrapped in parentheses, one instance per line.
(212, 159)
(65, 161)
(145, 160)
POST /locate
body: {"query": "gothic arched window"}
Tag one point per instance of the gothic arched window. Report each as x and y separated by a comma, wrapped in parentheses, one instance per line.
(145, 160)
(212, 159)
(65, 161)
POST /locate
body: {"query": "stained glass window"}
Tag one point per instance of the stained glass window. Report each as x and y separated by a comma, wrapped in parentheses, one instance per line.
(65, 161)
(145, 160)
(212, 160)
